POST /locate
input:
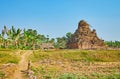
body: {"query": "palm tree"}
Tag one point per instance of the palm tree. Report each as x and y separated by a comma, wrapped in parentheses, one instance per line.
(4, 30)
(25, 37)
(29, 37)
(14, 35)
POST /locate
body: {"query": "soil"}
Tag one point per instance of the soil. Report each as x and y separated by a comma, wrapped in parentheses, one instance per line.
(22, 65)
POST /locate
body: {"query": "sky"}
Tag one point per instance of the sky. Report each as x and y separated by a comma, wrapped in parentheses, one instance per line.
(57, 17)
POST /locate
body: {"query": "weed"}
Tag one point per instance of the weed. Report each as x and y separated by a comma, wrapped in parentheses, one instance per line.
(68, 76)
(1, 74)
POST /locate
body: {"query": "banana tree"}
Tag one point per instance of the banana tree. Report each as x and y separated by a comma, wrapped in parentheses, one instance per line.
(32, 37)
(3, 38)
(14, 35)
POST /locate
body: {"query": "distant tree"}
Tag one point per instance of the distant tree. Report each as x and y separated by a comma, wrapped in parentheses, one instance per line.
(52, 41)
(29, 39)
(113, 44)
(41, 39)
(1, 40)
(4, 30)
(47, 38)
(61, 42)
(32, 35)
(68, 36)
(13, 35)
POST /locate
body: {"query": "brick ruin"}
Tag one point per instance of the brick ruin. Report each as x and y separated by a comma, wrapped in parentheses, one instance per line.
(85, 38)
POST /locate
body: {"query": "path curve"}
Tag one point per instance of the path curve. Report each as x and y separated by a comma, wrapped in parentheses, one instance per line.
(22, 65)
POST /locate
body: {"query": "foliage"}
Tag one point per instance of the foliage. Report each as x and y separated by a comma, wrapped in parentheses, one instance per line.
(62, 41)
(112, 76)
(68, 76)
(18, 39)
(68, 35)
(113, 44)
(29, 39)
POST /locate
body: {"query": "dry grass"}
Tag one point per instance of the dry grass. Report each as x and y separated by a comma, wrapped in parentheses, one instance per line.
(8, 60)
(64, 64)
(86, 64)
(8, 56)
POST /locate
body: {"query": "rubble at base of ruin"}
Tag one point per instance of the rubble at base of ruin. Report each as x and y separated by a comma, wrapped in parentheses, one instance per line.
(85, 38)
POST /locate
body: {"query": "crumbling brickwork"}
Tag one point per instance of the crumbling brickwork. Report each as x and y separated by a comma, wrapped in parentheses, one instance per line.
(85, 38)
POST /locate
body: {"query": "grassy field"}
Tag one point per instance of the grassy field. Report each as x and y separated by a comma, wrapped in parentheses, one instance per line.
(8, 56)
(76, 64)
(65, 64)
(8, 61)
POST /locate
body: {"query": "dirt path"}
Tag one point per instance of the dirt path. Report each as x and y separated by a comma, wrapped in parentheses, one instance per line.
(22, 65)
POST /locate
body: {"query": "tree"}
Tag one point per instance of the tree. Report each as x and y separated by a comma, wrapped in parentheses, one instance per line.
(4, 40)
(68, 36)
(26, 39)
(113, 44)
(13, 35)
(31, 38)
(61, 42)
(41, 39)
(1, 40)
(47, 38)
(52, 41)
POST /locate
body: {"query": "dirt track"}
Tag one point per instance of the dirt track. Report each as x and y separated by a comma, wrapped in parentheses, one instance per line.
(22, 65)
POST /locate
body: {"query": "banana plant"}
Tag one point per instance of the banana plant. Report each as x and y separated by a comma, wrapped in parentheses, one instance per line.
(14, 35)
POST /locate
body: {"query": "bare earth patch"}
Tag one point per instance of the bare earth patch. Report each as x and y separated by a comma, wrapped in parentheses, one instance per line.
(22, 65)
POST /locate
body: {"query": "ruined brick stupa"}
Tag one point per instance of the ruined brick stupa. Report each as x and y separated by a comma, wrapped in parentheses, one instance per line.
(84, 38)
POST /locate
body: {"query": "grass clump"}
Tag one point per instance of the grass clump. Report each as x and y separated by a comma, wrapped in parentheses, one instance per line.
(1, 74)
(8, 57)
(112, 76)
(68, 76)
(36, 56)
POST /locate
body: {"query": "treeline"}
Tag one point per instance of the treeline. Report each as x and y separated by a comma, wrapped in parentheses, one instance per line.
(113, 44)
(28, 39)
